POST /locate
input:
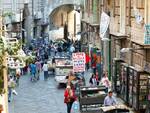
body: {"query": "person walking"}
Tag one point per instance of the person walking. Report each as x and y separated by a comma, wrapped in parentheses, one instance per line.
(38, 65)
(45, 69)
(105, 81)
(11, 86)
(69, 98)
(94, 63)
(87, 57)
(53, 64)
(33, 71)
(109, 99)
(97, 77)
(18, 74)
(93, 80)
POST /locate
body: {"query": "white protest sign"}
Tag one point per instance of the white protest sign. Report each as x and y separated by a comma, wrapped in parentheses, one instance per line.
(78, 62)
(104, 23)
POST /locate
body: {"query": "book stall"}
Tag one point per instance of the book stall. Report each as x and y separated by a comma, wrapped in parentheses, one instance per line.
(62, 69)
(91, 98)
(131, 82)
(139, 94)
(116, 75)
(148, 96)
(114, 109)
(124, 78)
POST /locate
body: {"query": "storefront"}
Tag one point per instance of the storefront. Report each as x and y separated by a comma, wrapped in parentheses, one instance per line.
(124, 78)
(138, 88)
(116, 75)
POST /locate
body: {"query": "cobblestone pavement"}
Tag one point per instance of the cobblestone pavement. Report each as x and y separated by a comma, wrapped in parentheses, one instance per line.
(39, 97)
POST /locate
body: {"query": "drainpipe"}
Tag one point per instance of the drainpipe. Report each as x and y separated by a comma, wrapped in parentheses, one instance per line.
(107, 46)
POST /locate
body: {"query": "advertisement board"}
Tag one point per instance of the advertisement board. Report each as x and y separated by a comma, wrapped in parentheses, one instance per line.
(78, 62)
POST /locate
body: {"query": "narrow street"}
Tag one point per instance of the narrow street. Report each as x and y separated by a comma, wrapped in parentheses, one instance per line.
(39, 97)
(99, 50)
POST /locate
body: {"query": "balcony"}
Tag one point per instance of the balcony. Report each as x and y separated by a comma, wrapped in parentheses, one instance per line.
(140, 35)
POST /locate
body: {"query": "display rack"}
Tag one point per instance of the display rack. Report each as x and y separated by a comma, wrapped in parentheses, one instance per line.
(140, 90)
(124, 80)
(116, 75)
(148, 96)
(91, 98)
(131, 82)
(115, 109)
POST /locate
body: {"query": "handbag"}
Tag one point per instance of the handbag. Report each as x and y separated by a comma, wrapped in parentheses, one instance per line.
(72, 99)
(75, 106)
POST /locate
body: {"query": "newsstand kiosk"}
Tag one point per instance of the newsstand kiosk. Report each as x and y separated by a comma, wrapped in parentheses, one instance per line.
(138, 89)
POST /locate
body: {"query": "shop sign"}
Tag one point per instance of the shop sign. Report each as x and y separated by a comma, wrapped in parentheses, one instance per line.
(147, 34)
(104, 24)
(78, 62)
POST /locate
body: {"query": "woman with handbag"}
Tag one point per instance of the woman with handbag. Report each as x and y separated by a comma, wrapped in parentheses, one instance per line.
(69, 96)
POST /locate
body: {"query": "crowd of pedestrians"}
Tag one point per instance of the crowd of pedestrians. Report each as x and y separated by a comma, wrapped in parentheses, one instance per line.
(41, 52)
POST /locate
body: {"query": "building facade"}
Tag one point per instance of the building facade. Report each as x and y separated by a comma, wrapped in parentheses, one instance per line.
(24, 18)
(129, 21)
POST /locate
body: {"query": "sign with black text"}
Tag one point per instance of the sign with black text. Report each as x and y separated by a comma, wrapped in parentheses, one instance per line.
(78, 62)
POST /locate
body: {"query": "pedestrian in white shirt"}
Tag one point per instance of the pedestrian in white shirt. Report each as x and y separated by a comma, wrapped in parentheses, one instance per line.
(45, 69)
(105, 81)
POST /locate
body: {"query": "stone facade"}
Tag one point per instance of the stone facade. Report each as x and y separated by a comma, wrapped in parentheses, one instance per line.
(127, 28)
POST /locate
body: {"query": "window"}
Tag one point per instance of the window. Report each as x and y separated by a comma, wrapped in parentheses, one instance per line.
(122, 16)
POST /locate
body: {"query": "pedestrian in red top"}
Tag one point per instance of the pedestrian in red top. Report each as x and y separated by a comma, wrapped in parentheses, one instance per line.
(87, 58)
(69, 96)
(94, 64)
(97, 77)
